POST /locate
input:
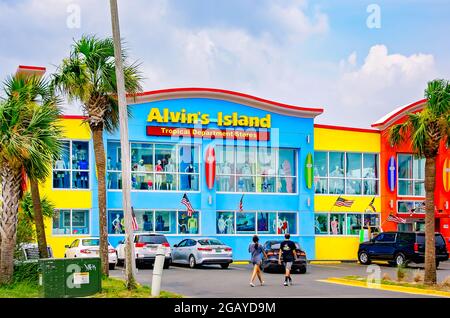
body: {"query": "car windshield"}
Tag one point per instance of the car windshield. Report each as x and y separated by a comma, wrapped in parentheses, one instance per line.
(276, 245)
(91, 242)
(439, 240)
(152, 239)
(210, 242)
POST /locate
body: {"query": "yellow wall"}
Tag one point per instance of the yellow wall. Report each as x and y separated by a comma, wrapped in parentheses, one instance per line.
(330, 139)
(336, 248)
(75, 199)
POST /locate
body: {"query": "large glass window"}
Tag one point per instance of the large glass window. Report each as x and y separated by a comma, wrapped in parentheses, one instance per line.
(71, 222)
(71, 169)
(346, 173)
(168, 222)
(321, 223)
(275, 223)
(251, 169)
(354, 223)
(411, 175)
(160, 167)
(344, 223)
(410, 206)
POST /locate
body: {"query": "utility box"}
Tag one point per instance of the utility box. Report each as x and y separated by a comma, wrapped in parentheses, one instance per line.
(70, 277)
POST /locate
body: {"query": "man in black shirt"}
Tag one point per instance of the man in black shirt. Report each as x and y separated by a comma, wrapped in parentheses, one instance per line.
(288, 255)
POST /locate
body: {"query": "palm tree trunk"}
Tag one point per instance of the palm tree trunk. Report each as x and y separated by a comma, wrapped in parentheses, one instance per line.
(100, 161)
(38, 219)
(430, 249)
(11, 179)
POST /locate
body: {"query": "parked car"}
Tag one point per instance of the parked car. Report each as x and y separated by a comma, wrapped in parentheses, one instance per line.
(145, 246)
(90, 247)
(202, 251)
(272, 249)
(400, 248)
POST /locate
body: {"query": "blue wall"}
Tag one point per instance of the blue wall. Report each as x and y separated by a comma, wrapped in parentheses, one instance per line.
(291, 132)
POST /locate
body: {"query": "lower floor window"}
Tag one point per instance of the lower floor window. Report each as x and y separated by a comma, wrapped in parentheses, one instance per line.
(276, 223)
(344, 223)
(71, 222)
(167, 222)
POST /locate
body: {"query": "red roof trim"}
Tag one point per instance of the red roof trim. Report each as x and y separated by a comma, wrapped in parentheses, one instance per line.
(354, 129)
(403, 110)
(73, 117)
(232, 93)
(33, 68)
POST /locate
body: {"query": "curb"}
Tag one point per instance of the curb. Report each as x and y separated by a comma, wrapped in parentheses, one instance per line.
(240, 263)
(324, 262)
(399, 289)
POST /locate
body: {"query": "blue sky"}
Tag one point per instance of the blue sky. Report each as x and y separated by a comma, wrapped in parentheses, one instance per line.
(307, 53)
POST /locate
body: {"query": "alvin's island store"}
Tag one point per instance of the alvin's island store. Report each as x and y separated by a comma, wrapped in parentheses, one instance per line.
(220, 148)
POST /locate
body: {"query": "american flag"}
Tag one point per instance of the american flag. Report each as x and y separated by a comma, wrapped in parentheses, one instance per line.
(241, 204)
(396, 219)
(343, 202)
(134, 220)
(188, 205)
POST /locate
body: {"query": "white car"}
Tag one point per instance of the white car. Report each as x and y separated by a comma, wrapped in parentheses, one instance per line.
(89, 247)
(145, 246)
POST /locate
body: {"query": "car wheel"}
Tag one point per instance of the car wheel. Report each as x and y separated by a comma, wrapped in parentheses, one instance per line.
(400, 259)
(302, 270)
(166, 265)
(192, 262)
(120, 262)
(112, 266)
(224, 266)
(364, 258)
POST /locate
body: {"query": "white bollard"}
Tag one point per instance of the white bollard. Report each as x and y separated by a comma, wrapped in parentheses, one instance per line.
(158, 270)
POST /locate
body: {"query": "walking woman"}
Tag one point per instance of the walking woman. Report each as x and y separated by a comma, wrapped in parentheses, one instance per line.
(256, 250)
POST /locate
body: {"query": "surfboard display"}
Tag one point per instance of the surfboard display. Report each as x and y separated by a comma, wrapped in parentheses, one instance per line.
(309, 171)
(210, 167)
(446, 175)
(392, 173)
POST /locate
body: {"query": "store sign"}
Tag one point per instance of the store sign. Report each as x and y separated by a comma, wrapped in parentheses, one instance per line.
(236, 134)
(234, 119)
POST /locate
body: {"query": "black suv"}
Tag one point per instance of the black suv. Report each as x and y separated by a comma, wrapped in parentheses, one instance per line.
(399, 248)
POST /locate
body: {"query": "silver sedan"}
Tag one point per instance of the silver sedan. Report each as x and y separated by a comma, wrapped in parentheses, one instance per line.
(202, 251)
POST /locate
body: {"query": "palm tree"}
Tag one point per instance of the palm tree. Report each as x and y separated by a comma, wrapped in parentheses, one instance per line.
(34, 90)
(427, 130)
(88, 75)
(26, 131)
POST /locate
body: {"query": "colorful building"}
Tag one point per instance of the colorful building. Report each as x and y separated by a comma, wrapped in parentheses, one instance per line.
(248, 166)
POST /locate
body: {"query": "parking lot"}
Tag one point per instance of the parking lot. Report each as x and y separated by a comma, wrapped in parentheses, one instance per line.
(212, 281)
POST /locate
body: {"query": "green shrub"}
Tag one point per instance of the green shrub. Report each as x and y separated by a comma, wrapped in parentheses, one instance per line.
(27, 272)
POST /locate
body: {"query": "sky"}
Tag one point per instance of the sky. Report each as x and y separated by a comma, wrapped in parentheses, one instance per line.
(356, 59)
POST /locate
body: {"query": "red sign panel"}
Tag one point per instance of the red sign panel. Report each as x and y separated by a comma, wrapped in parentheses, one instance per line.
(210, 167)
(237, 134)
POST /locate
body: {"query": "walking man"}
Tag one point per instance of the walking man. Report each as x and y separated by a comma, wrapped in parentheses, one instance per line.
(286, 256)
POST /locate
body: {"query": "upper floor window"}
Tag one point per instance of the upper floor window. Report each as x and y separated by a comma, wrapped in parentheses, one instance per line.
(346, 173)
(162, 167)
(71, 170)
(411, 175)
(252, 169)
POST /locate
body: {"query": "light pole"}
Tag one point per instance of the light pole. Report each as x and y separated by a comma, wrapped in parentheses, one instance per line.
(125, 148)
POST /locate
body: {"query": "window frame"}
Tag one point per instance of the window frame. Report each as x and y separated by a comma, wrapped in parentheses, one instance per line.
(413, 180)
(89, 211)
(255, 174)
(344, 231)
(71, 170)
(297, 222)
(346, 178)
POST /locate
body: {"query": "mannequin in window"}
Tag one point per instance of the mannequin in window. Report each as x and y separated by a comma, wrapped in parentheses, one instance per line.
(221, 224)
(147, 223)
(192, 225)
(336, 184)
(141, 176)
(109, 174)
(60, 165)
(190, 170)
(287, 171)
(117, 225)
(229, 225)
(369, 185)
(225, 180)
(284, 226)
(183, 224)
(158, 176)
(334, 226)
(247, 171)
(84, 175)
(170, 167)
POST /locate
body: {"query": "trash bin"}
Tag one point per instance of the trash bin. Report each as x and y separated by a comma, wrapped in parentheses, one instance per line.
(70, 277)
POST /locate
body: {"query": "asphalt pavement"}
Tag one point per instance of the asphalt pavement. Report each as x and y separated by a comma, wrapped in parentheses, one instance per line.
(214, 282)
